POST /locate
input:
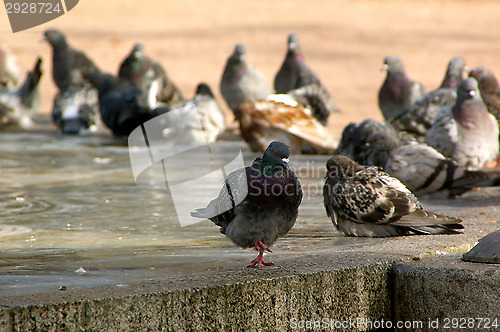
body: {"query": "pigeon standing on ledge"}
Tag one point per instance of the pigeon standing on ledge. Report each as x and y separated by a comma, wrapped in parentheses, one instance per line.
(241, 82)
(141, 72)
(211, 115)
(364, 201)
(76, 105)
(419, 117)
(259, 203)
(398, 91)
(70, 67)
(301, 83)
(466, 132)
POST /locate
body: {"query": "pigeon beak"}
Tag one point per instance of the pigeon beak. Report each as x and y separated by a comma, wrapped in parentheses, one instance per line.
(285, 160)
(472, 93)
(385, 67)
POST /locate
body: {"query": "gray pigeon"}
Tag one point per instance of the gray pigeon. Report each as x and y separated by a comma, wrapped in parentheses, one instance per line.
(211, 116)
(398, 91)
(301, 82)
(120, 105)
(19, 104)
(76, 110)
(241, 82)
(316, 98)
(288, 76)
(419, 117)
(257, 204)
(489, 89)
(141, 72)
(354, 138)
(420, 167)
(70, 67)
(364, 201)
(466, 132)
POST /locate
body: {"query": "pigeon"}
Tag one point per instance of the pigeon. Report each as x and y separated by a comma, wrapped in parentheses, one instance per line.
(10, 72)
(141, 72)
(489, 89)
(288, 75)
(70, 67)
(354, 137)
(466, 132)
(421, 168)
(398, 91)
(419, 117)
(299, 81)
(257, 204)
(281, 118)
(365, 201)
(316, 98)
(19, 104)
(197, 122)
(241, 82)
(76, 110)
(212, 117)
(121, 105)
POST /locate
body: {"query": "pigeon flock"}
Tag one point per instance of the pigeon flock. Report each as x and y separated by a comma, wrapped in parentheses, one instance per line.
(443, 140)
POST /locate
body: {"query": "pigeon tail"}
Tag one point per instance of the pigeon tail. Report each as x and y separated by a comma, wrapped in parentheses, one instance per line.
(29, 88)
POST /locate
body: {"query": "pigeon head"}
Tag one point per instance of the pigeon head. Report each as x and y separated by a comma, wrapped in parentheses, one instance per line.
(340, 166)
(138, 51)
(379, 146)
(277, 153)
(204, 90)
(239, 54)
(75, 120)
(393, 64)
(454, 73)
(485, 78)
(294, 44)
(468, 89)
(55, 38)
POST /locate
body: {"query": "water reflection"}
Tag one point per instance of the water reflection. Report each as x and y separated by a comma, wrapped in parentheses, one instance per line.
(72, 215)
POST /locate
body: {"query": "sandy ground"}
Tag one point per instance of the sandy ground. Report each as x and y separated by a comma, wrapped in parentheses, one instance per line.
(343, 41)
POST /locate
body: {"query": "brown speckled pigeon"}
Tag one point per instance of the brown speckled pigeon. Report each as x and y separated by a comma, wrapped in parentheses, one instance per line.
(365, 201)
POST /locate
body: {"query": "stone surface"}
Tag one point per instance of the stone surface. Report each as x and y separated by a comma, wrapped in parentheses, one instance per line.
(448, 293)
(317, 288)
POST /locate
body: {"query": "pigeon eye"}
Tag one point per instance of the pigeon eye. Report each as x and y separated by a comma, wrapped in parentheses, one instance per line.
(275, 152)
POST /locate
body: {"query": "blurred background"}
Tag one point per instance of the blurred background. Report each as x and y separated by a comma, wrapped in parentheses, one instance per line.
(344, 41)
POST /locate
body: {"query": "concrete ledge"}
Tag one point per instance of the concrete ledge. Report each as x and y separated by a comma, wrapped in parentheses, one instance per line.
(335, 288)
(310, 292)
(437, 289)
